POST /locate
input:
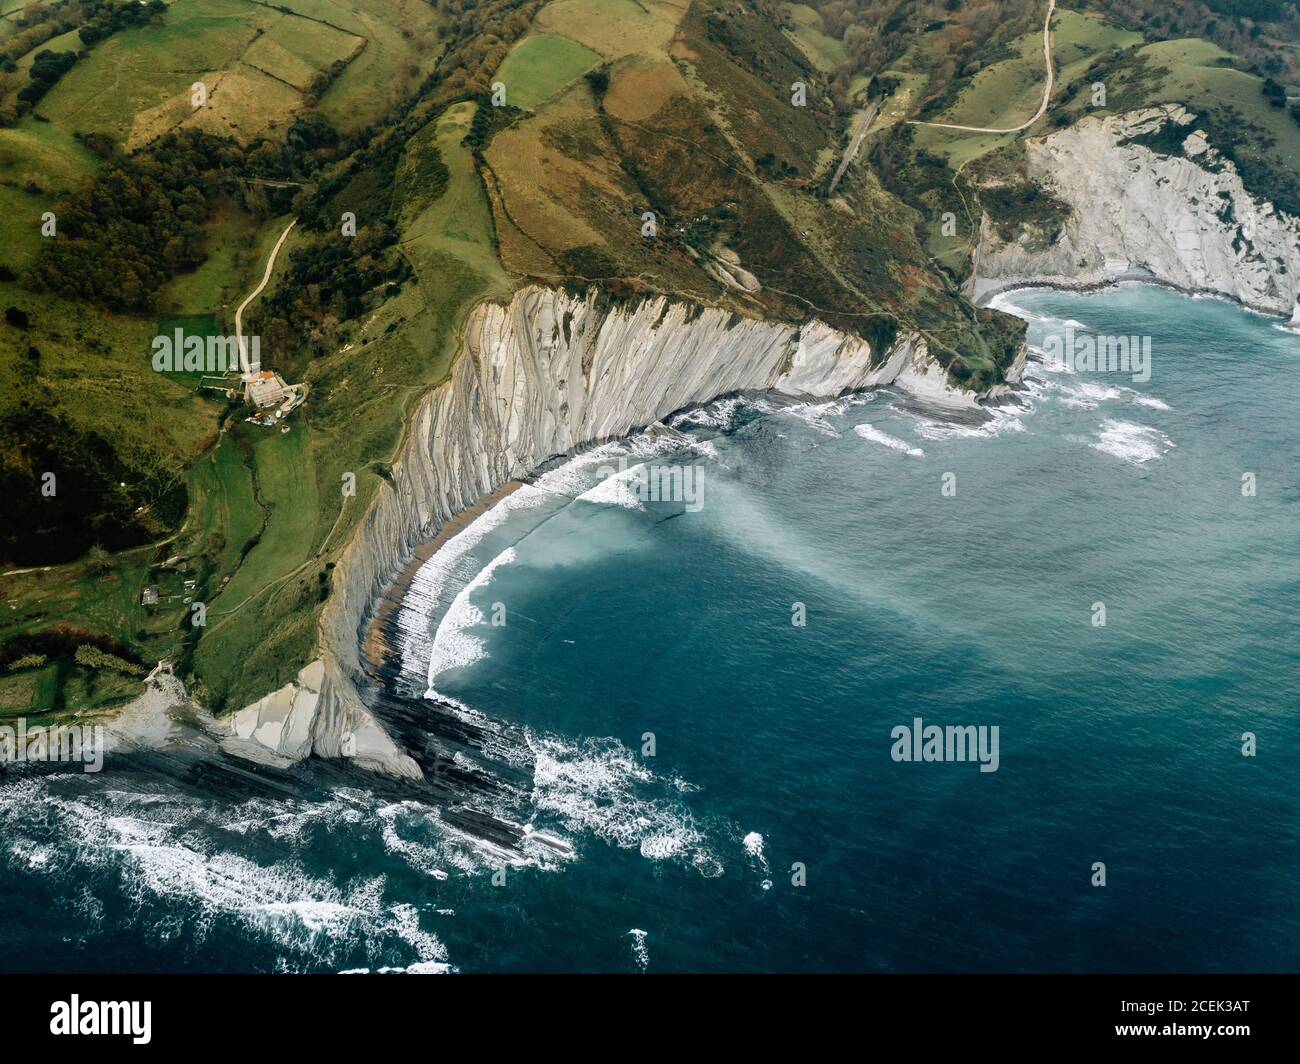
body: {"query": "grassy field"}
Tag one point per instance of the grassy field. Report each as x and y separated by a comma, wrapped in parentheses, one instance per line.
(458, 225)
(1005, 93)
(826, 52)
(1197, 76)
(614, 28)
(402, 48)
(297, 50)
(1077, 39)
(245, 641)
(258, 62)
(37, 161)
(216, 283)
(94, 369)
(145, 68)
(538, 67)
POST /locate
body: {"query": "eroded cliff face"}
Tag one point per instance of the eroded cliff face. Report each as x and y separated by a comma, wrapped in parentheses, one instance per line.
(1186, 220)
(547, 374)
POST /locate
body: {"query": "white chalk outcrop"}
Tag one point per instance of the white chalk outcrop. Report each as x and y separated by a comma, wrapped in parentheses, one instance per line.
(1186, 220)
(544, 375)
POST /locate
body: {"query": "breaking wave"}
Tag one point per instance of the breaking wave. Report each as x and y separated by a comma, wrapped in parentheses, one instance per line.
(870, 432)
(188, 869)
(1130, 442)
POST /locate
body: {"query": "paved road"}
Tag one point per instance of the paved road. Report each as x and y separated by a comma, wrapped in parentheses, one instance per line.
(239, 314)
(1047, 89)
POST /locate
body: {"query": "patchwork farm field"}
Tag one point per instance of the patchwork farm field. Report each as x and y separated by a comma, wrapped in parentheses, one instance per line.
(614, 28)
(539, 67)
(258, 61)
(151, 68)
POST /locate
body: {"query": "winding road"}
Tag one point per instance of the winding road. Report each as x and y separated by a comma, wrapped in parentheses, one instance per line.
(239, 314)
(1047, 89)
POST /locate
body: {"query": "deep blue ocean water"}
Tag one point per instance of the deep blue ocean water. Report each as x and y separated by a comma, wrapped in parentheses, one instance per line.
(619, 618)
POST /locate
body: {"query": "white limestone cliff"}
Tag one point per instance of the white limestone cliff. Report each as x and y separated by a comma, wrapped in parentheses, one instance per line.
(1185, 220)
(547, 374)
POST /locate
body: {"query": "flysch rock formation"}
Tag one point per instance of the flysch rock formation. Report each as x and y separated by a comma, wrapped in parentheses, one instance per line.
(547, 374)
(1184, 221)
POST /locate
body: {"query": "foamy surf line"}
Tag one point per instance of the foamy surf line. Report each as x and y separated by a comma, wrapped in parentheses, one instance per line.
(171, 853)
(450, 565)
(453, 646)
(583, 477)
(597, 787)
(870, 432)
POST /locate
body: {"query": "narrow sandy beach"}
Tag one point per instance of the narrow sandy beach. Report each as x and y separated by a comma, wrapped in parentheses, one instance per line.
(374, 647)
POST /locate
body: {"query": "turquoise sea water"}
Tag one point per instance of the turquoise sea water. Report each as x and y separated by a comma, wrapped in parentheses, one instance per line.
(618, 619)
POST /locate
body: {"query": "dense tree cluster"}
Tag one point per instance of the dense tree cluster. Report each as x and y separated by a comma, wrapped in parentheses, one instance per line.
(47, 68)
(137, 223)
(61, 642)
(876, 33)
(331, 282)
(481, 33)
(966, 35)
(1274, 93)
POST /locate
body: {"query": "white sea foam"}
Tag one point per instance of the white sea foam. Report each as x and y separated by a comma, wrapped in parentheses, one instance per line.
(419, 968)
(719, 414)
(1087, 396)
(453, 645)
(599, 787)
(999, 419)
(658, 847)
(814, 414)
(451, 565)
(640, 954)
(1040, 359)
(439, 581)
(614, 491)
(418, 835)
(1003, 302)
(169, 854)
(870, 432)
(1131, 442)
(753, 843)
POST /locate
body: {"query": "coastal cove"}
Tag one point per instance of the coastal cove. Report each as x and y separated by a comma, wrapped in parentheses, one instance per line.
(771, 828)
(651, 487)
(645, 619)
